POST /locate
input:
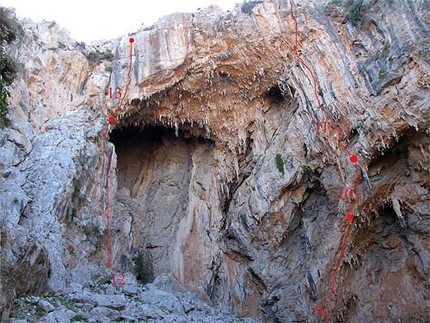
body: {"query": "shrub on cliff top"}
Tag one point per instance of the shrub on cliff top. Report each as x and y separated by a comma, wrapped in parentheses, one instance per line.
(247, 6)
(9, 31)
(98, 56)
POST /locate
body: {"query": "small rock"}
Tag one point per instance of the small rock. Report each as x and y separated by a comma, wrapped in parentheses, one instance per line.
(392, 242)
(76, 288)
(84, 315)
(168, 283)
(187, 303)
(46, 306)
(60, 316)
(105, 314)
(190, 302)
(87, 307)
(163, 282)
(85, 297)
(5, 172)
(147, 312)
(117, 302)
(128, 319)
(248, 320)
(33, 299)
(130, 280)
(19, 140)
(110, 290)
(168, 302)
(131, 290)
(175, 319)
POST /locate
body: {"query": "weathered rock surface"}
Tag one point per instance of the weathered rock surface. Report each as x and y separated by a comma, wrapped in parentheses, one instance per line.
(105, 303)
(219, 177)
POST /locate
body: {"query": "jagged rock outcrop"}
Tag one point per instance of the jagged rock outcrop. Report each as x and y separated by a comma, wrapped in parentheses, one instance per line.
(219, 176)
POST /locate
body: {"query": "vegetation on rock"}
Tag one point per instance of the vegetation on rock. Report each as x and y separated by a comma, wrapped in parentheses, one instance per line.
(9, 31)
(306, 169)
(351, 10)
(280, 163)
(78, 318)
(97, 56)
(247, 6)
(355, 12)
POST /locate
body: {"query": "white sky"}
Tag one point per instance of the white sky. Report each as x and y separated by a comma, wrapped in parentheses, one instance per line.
(89, 20)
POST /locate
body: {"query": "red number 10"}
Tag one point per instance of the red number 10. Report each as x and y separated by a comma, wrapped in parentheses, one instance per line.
(348, 194)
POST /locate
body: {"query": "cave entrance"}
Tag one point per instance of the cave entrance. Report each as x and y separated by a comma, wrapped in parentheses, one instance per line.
(134, 149)
(153, 178)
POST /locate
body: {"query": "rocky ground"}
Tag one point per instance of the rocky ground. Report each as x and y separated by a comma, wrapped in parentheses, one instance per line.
(132, 302)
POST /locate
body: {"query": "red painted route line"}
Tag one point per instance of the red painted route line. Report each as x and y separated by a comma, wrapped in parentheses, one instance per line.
(353, 158)
(111, 119)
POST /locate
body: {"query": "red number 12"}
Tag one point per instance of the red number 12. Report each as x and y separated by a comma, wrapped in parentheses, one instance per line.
(121, 282)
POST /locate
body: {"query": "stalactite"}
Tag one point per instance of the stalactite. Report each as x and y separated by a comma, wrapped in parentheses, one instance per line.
(176, 129)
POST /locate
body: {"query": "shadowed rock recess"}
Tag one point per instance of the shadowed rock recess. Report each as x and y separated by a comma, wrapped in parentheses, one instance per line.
(221, 187)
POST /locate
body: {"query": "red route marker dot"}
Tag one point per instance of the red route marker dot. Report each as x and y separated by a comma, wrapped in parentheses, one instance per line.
(131, 40)
(353, 158)
(350, 217)
(111, 119)
(319, 309)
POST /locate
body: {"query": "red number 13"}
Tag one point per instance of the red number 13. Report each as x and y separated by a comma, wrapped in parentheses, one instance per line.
(118, 93)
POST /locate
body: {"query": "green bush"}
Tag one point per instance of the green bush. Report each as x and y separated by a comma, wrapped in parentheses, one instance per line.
(105, 280)
(98, 56)
(78, 318)
(247, 6)
(94, 56)
(351, 10)
(71, 212)
(4, 95)
(9, 31)
(355, 13)
(38, 311)
(280, 163)
(306, 169)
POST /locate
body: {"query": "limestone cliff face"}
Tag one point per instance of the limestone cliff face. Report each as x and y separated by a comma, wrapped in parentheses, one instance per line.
(220, 175)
